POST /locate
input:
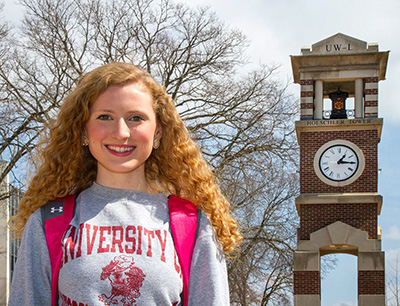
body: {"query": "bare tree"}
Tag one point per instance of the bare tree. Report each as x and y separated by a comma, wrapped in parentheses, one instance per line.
(241, 118)
(261, 274)
(393, 284)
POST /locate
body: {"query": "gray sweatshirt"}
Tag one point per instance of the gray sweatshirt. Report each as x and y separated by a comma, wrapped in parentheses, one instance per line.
(118, 250)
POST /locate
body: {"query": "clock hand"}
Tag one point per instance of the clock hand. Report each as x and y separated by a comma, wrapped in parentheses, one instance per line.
(347, 162)
(340, 161)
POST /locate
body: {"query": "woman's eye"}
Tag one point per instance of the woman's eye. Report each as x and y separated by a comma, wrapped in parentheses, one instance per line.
(136, 118)
(104, 117)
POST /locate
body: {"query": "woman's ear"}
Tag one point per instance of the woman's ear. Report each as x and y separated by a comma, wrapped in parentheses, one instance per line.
(157, 137)
(158, 133)
(85, 138)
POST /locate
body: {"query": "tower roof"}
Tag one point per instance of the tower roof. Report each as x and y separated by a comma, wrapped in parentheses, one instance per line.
(340, 52)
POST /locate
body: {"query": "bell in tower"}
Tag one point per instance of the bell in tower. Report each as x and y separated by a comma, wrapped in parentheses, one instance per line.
(338, 104)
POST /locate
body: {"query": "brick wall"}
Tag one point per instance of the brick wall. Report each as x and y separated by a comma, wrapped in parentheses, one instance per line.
(310, 142)
(306, 99)
(307, 282)
(371, 282)
(371, 97)
(316, 216)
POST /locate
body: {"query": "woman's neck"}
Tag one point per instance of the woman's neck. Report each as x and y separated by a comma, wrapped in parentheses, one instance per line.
(125, 182)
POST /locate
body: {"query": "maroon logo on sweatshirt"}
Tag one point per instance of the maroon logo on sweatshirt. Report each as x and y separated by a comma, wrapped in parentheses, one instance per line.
(125, 280)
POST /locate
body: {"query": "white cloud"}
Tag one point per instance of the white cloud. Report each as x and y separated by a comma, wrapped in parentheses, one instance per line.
(392, 233)
(392, 258)
(345, 304)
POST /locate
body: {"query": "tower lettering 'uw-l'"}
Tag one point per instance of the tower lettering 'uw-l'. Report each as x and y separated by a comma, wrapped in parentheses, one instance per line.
(338, 133)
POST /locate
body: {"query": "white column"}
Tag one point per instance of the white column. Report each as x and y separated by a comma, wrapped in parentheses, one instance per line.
(4, 241)
(319, 100)
(359, 97)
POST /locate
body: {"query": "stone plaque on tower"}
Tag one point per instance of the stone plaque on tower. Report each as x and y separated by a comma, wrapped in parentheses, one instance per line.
(338, 133)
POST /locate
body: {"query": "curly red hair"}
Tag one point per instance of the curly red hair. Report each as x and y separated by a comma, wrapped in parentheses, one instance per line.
(177, 167)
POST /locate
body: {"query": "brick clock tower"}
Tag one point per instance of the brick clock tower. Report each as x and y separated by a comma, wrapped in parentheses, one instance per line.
(338, 133)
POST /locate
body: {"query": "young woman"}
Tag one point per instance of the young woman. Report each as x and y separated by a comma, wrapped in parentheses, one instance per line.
(119, 145)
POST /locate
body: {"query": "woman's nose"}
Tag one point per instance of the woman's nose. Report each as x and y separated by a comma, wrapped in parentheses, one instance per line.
(121, 129)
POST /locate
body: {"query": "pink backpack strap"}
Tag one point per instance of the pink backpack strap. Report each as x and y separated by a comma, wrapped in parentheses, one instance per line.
(184, 216)
(56, 216)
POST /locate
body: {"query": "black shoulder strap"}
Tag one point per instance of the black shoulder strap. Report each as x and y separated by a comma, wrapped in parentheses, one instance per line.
(56, 217)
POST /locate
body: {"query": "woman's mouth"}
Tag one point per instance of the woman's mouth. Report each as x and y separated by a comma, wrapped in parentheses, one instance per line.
(120, 149)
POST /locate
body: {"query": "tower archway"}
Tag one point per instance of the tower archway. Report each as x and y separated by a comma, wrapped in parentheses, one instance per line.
(340, 238)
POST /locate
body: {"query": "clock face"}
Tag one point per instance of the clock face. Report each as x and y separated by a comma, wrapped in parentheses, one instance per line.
(338, 162)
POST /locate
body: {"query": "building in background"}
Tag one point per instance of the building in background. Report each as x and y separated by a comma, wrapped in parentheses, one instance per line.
(9, 200)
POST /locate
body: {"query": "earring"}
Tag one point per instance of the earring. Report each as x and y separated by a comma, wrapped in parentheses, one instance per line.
(85, 140)
(156, 143)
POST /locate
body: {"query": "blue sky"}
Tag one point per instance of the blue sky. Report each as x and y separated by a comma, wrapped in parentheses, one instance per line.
(278, 29)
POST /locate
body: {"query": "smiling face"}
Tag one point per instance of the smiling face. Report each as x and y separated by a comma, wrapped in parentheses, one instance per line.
(121, 131)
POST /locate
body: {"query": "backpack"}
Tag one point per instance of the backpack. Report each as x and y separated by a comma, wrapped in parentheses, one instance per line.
(184, 223)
